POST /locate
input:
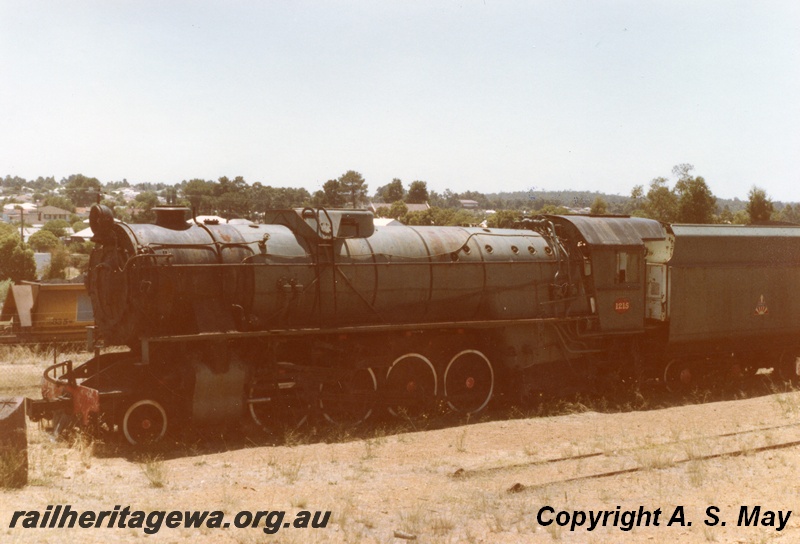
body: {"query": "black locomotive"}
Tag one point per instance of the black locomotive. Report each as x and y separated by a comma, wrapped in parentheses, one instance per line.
(317, 313)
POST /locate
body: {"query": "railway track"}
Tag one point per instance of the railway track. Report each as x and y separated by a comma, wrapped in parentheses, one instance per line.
(635, 459)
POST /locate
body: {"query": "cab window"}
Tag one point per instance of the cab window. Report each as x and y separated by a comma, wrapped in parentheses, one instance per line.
(628, 267)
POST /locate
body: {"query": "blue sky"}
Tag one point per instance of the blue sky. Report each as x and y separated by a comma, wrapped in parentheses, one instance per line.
(472, 95)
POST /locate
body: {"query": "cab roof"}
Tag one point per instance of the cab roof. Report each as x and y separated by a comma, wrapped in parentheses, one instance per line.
(612, 230)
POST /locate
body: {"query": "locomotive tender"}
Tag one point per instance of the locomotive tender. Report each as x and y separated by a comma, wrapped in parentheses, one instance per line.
(319, 313)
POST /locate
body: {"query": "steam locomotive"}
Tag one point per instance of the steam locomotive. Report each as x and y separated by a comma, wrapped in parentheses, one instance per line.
(318, 313)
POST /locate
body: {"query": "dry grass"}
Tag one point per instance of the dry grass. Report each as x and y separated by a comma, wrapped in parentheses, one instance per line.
(12, 467)
(154, 470)
(460, 442)
(22, 367)
(386, 482)
(39, 355)
(388, 477)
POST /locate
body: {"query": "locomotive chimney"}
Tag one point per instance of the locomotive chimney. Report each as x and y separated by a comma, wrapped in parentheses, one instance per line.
(171, 217)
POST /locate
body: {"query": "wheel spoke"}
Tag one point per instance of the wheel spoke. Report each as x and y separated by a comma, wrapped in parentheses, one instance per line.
(411, 384)
(468, 382)
(276, 402)
(348, 398)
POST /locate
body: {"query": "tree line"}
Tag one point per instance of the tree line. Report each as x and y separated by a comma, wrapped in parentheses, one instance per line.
(688, 200)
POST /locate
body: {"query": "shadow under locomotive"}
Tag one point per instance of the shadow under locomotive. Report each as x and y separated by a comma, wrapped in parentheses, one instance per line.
(570, 398)
(318, 316)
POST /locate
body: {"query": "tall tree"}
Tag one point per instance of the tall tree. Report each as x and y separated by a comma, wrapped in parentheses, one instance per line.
(398, 209)
(634, 205)
(662, 204)
(225, 185)
(696, 203)
(59, 261)
(417, 192)
(791, 214)
(352, 184)
(599, 206)
(759, 205)
(318, 199)
(391, 192)
(199, 193)
(503, 219)
(332, 194)
(144, 204)
(16, 259)
(449, 199)
(81, 190)
(726, 215)
(682, 171)
(233, 204)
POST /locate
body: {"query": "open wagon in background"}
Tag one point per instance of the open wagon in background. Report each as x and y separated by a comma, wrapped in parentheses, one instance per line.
(46, 312)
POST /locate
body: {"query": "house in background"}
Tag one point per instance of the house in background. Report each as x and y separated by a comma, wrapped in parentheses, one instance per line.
(49, 213)
(32, 215)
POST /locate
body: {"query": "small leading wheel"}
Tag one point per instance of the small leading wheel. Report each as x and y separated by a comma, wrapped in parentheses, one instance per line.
(145, 422)
(679, 376)
(411, 384)
(276, 403)
(348, 398)
(468, 382)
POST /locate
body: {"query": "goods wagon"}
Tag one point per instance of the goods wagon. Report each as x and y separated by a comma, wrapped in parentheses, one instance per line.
(46, 312)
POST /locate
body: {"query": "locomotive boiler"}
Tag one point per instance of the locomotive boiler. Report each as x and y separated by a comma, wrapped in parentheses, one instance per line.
(319, 314)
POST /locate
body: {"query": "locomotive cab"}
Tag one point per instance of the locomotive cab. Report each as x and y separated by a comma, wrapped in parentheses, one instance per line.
(613, 250)
(618, 273)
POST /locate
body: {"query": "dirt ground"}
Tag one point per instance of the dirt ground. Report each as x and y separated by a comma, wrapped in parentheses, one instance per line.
(481, 482)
